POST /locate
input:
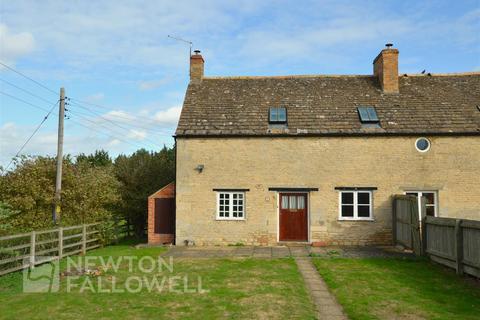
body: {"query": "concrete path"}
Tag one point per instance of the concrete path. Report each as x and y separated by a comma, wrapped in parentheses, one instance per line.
(240, 251)
(326, 304)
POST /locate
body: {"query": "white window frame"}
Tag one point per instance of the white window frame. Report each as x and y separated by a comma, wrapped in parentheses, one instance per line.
(429, 144)
(230, 206)
(419, 199)
(355, 205)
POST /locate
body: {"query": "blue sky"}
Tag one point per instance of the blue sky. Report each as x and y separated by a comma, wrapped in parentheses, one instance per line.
(116, 56)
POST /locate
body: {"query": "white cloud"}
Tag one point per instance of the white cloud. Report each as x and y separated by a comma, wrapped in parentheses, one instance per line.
(118, 115)
(137, 134)
(169, 116)
(14, 45)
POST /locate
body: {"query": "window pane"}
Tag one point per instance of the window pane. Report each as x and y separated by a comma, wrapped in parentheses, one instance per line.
(412, 194)
(273, 114)
(284, 202)
(293, 202)
(282, 114)
(347, 211)
(429, 197)
(347, 197)
(301, 202)
(422, 144)
(430, 211)
(363, 114)
(363, 211)
(372, 114)
(363, 198)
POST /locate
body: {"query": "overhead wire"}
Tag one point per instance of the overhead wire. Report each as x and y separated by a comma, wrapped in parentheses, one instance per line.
(77, 122)
(31, 136)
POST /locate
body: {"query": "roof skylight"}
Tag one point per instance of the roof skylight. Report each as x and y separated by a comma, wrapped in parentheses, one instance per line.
(367, 114)
(277, 115)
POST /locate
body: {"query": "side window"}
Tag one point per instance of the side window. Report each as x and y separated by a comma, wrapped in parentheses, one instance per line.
(356, 205)
(431, 199)
(230, 205)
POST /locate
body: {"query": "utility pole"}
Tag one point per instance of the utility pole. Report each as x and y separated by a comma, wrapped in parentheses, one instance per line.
(57, 209)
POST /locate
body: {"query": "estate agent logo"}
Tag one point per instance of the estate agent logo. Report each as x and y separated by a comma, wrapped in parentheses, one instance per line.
(42, 278)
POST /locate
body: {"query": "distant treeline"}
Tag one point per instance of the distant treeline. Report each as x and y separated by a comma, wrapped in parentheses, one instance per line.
(95, 187)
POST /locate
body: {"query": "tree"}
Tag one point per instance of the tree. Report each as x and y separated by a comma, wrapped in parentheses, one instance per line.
(100, 158)
(6, 215)
(88, 193)
(140, 175)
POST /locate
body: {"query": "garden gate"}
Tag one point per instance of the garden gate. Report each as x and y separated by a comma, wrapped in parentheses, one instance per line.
(406, 222)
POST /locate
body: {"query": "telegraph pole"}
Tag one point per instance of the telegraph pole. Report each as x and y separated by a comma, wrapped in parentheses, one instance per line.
(57, 209)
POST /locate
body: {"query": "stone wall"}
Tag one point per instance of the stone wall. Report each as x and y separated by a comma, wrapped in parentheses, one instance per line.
(391, 164)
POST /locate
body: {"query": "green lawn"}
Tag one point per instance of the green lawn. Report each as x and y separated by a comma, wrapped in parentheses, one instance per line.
(238, 289)
(399, 289)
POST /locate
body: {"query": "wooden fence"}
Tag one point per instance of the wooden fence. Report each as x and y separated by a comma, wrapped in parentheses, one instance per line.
(24, 250)
(453, 242)
(406, 225)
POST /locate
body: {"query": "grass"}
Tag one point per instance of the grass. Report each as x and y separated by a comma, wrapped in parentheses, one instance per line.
(243, 288)
(399, 289)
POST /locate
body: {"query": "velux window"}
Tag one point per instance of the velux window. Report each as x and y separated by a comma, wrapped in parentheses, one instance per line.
(368, 115)
(356, 205)
(277, 115)
(230, 205)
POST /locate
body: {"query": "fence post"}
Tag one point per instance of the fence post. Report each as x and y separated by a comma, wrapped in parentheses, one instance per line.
(60, 243)
(424, 236)
(32, 249)
(84, 239)
(459, 246)
(394, 222)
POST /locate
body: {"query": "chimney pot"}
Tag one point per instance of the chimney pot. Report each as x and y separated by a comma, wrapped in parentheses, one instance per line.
(385, 67)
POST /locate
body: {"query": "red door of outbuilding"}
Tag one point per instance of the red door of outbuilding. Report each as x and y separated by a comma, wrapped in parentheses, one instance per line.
(293, 217)
(165, 215)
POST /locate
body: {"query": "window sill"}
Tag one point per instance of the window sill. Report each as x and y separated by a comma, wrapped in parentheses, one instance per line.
(357, 220)
(230, 219)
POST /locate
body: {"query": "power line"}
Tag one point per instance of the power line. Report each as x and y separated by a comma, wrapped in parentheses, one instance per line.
(27, 77)
(24, 101)
(41, 108)
(54, 92)
(31, 136)
(88, 109)
(103, 125)
(117, 123)
(26, 91)
(109, 135)
(109, 109)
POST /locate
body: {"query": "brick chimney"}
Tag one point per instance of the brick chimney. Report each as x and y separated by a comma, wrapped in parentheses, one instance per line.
(196, 66)
(385, 67)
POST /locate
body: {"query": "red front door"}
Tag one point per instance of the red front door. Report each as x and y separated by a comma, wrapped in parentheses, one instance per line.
(293, 217)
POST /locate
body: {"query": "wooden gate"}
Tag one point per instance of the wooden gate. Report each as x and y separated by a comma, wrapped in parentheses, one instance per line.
(406, 223)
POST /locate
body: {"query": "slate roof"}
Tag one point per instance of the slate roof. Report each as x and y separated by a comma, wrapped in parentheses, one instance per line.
(326, 105)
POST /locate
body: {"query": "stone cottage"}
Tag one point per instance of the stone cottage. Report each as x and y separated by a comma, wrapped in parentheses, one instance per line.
(317, 158)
